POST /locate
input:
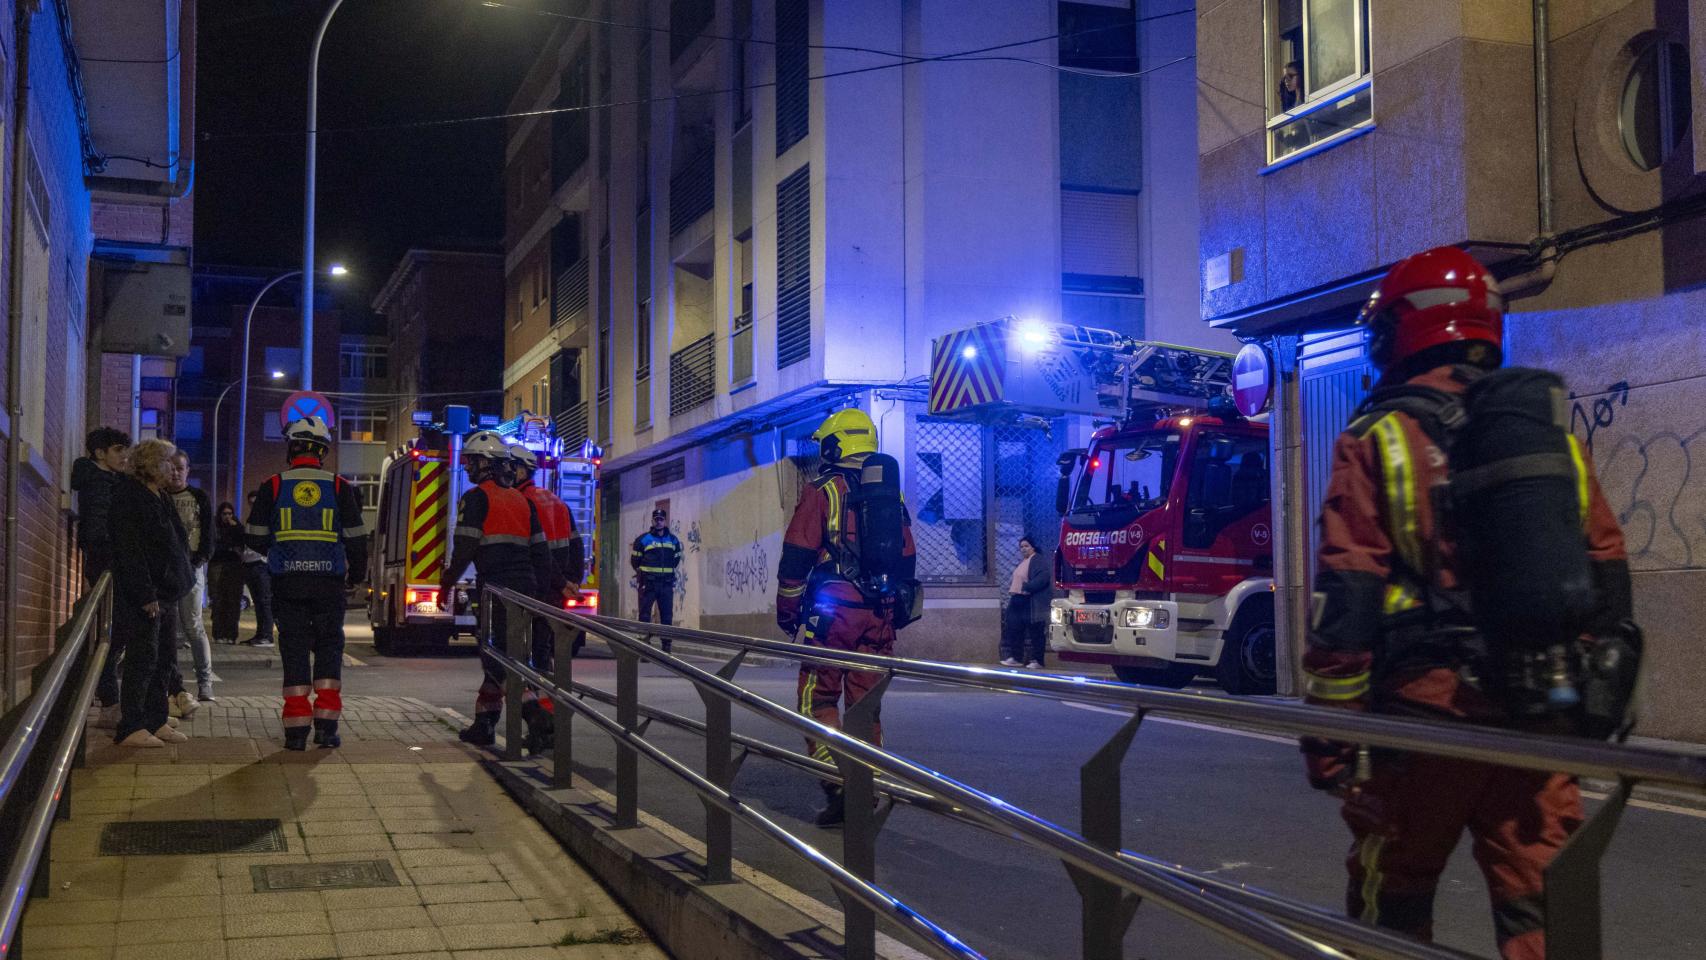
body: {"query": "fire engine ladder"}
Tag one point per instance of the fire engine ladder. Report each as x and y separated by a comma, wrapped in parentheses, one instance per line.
(1135, 375)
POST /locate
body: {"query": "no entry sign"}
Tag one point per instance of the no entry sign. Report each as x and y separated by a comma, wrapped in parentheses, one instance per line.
(1252, 380)
(304, 404)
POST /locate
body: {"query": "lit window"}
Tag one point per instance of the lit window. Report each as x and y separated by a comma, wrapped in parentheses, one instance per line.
(364, 425)
(1317, 57)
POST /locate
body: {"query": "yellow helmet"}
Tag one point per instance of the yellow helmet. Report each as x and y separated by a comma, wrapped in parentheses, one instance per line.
(846, 434)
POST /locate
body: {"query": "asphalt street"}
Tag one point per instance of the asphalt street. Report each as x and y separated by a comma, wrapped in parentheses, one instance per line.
(1233, 804)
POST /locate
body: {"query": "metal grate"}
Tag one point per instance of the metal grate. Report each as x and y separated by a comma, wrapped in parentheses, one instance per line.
(572, 426)
(949, 483)
(669, 472)
(569, 294)
(163, 838)
(1025, 477)
(793, 73)
(276, 877)
(691, 372)
(692, 192)
(793, 268)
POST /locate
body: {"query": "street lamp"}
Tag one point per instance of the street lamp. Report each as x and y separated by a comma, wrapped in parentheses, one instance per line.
(336, 270)
(308, 199)
(214, 470)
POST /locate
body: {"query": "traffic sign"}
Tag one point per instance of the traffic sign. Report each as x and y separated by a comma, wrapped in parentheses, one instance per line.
(1252, 380)
(304, 404)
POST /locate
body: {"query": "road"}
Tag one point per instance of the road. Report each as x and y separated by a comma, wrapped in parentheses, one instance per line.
(1229, 803)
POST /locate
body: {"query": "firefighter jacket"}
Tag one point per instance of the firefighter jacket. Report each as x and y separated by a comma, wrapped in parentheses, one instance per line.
(1384, 564)
(498, 531)
(567, 561)
(656, 555)
(308, 521)
(823, 530)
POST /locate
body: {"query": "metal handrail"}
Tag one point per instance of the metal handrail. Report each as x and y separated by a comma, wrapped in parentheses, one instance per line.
(1530, 751)
(1251, 930)
(36, 830)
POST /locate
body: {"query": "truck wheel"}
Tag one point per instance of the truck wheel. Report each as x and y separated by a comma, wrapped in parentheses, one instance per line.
(1248, 662)
(385, 641)
(1173, 677)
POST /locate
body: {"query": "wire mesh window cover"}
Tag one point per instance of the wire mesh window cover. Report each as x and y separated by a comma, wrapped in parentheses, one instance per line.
(643, 401)
(569, 295)
(691, 375)
(794, 268)
(793, 71)
(669, 471)
(950, 526)
(572, 425)
(692, 191)
(1025, 476)
(1098, 233)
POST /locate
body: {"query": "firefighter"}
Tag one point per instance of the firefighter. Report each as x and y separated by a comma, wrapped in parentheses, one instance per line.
(308, 522)
(815, 599)
(566, 570)
(656, 555)
(498, 531)
(1393, 631)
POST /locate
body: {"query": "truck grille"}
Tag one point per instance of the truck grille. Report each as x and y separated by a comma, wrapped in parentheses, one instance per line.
(1092, 633)
(1099, 597)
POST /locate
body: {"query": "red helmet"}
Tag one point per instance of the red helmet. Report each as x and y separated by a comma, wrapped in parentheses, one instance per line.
(1437, 297)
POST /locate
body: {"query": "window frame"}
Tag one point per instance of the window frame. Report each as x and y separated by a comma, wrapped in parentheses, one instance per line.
(371, 416)
(1327, 98)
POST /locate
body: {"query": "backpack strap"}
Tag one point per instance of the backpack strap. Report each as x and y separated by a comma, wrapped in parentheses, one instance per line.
(1440, 414)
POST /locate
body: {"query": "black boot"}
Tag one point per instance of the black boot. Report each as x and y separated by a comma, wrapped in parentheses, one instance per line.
(482, 732)
(296, 738)
(540, 729)
(326, 734)
(834, 809)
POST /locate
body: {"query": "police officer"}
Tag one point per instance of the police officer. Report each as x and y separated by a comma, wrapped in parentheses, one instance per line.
(656, 555)
(498, 531)
(1394, 634)
(813, 591)
(566, 570)
(308, 522)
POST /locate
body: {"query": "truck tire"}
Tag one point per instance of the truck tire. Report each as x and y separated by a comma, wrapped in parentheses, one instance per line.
(1174, 677)
(385, 635)
(1248, 662)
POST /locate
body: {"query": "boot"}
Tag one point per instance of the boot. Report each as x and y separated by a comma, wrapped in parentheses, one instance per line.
(482, 732)
(326, 734)
(541, 733)
(204, 691)
(834, 809)
(296, 738)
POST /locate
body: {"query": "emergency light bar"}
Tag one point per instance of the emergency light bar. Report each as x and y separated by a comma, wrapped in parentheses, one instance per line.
(421, 418)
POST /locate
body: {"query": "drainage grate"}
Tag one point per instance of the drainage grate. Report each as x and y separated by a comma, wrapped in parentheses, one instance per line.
(273, 877)
(159, 838)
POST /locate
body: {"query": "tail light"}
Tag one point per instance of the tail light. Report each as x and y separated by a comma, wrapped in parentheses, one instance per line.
(587, 602)
(422, 598)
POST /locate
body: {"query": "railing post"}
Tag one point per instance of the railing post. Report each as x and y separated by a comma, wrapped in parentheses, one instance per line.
(628, 716)
(720, 770)
(562, 719)
(517, 624)
(1106, 910)
(1572, 883)
(862, 821)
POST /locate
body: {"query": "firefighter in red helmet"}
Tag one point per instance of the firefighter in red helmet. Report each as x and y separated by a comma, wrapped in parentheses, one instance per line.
(1393, 632)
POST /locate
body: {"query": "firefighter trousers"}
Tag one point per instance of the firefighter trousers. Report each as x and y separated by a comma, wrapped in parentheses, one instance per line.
(1407, 818)
(311, 646)
(489, 701)
(825, 691)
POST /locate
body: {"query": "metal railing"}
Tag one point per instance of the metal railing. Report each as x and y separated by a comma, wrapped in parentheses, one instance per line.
(692, 191)
(1110, 879)
(572, 425)
(569, 294)
(692, 371)
(46, 741)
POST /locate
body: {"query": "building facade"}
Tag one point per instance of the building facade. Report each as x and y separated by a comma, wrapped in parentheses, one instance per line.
(443, 311)
(97, 219)
(1574, 170)
(762, 231)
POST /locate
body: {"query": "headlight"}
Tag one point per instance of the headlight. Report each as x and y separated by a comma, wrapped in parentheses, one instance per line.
(1140, 617)
(1056, 615)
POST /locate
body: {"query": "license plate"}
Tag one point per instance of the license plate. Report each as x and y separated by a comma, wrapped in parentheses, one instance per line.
(1086, 616)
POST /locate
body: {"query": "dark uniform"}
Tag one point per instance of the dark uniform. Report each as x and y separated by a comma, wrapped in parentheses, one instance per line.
(498, 531)
(567, 567)
(309, 524)
(655, 559)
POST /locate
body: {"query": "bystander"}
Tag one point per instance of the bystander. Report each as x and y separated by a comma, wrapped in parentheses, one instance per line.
(1025, 617)
(92, 479)
(151, 573)
(225, 574)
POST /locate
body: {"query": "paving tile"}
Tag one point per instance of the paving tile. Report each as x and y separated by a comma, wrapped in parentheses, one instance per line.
(368, 943)
(511, 953)
(353, 845)
(475, 936)
(89, 879)
(73, 934)
(442, 858)
(467, 893)
(72, 953)
(468, 873)
(370, 897)
(502, 911)
(304, 947)
(50, 912)
(380, 918)
(342, 828)
(154, 908)
(286, 901)
(280, 924)
(435, 841)
(169, 929)
(429, 955)
(209, 950)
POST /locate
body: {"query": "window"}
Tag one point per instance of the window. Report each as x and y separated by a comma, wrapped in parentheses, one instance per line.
(1098, 36)
(37, 279)
(1655, 107)
(364, 425)
(794, 268)
(194, 363)
(1228, 482)
(367, 484)
(363, 361)
(1317, 55)
(1134, 471)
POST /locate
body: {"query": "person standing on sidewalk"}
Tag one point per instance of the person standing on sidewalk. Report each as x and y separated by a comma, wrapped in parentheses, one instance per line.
(1026, 615)
(195, 511)
(498, 531)
(225, 574)
(308, 522)
(657, 554)
(151, 573)
(566, 570)
(259, 582)
(93, 478)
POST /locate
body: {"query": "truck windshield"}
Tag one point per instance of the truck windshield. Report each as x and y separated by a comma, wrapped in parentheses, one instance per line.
(1129, 471)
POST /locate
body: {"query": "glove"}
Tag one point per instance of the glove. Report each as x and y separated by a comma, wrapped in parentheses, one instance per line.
(1329, 764)
(788, 615)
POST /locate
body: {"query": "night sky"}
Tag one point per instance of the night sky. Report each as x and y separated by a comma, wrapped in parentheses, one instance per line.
(380, 192)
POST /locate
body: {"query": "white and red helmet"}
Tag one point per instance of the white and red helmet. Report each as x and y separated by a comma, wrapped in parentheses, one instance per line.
(1437, 297)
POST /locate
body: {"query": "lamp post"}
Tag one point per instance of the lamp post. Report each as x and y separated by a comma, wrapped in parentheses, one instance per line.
(214, 470)
(308, 196)
(337, 270)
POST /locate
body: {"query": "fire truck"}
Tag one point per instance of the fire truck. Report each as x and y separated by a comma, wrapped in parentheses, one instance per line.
(1165, 553)
(420, 484)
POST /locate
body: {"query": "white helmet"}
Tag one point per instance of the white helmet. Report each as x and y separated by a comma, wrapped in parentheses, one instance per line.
(523, 456)
(485, 443)
(309, 430)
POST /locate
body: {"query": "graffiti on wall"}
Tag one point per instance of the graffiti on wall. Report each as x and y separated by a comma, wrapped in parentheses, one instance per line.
(1588, 417)
(746, 571)
(1645, 462)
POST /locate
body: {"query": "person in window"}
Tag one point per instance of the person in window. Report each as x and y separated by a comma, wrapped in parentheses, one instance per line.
(1026, 615)
(225, 574)
(151, 573)
(1297, 135)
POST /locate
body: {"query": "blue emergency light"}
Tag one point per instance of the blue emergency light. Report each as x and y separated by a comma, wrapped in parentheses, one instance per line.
(489, 420)
(421, 418)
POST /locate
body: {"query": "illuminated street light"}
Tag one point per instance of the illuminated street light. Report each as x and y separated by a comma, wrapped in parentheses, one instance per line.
(278, 374)
(338, 270)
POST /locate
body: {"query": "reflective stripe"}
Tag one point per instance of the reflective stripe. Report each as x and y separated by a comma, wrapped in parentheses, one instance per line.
(1336, 688)
(1399, 598)
(1584, 490)
(257, 529)
(1369, 855)
(319, 536)
(472, 533)
(492, 539)
(1400, 477)
(298, 721)
(561, 544)
(657, 569)
(328, 683)
(537, 538)
(297, 691)
(791, 591)
(1155, 565)
(359, 530)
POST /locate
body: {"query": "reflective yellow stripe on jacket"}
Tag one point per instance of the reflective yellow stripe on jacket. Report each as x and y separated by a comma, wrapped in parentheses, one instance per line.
(1399, 473)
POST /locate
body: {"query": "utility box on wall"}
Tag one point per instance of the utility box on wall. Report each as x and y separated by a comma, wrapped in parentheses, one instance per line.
(143, 299)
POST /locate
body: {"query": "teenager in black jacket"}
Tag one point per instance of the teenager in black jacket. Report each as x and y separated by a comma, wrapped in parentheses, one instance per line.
(151, 572)
(92, 479)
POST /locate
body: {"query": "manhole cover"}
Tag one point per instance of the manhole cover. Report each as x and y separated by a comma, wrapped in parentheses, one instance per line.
(159, 838)
(271, 877)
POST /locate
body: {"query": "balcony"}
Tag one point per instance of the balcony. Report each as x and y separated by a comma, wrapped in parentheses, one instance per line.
(740, 351)
(692, 192)
(569, 294)
(572, 425)
(691, 373)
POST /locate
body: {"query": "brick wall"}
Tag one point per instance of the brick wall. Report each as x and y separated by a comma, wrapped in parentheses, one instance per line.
(171, 223)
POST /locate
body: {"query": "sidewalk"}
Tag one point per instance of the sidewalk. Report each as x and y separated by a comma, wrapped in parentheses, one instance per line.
(396, 845)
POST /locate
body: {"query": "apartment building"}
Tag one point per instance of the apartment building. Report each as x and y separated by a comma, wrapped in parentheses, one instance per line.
(1575, 170)
(443, 312)
(745, 214)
